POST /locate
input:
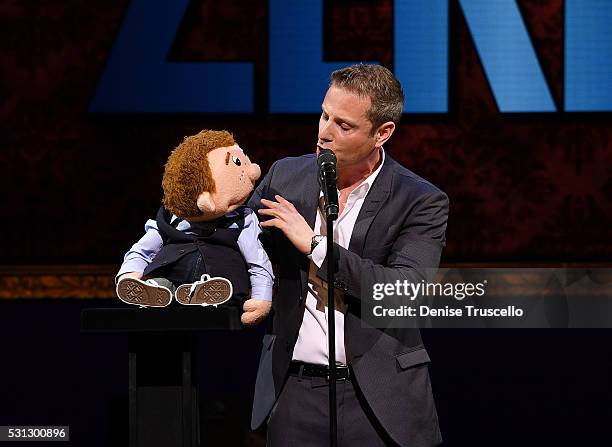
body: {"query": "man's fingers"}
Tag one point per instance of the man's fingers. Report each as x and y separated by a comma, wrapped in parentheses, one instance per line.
(267, 212)
(282, 200)
(269, 203)
(277, 221)
(273, 223)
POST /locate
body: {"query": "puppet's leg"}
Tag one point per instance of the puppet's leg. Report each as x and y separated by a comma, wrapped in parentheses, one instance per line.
(206, 292)
(143, 293)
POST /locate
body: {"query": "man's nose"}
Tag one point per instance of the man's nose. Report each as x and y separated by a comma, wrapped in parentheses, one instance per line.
(325, 134)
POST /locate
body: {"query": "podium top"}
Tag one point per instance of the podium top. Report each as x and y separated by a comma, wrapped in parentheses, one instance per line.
(184, 318)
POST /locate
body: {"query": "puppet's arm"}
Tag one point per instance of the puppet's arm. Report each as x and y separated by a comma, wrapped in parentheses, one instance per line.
(261, 277)
(142, 253)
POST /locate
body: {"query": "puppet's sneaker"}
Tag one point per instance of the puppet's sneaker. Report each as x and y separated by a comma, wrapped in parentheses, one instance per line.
(143, 293)
(206, 292)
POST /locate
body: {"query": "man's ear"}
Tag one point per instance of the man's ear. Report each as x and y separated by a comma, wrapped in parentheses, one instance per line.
(384, 132)
(206, 203)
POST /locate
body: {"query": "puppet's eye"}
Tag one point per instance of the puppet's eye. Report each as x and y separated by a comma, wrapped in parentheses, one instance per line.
(236, 160)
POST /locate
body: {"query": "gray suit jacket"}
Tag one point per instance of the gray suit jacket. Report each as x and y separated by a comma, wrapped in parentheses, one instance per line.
(398, 235)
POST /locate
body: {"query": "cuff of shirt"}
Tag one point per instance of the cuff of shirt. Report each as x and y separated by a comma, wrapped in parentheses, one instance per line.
(318, 254)
(261, 292)
(131, 266)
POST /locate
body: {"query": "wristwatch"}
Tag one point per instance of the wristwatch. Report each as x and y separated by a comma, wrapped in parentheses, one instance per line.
(315, 241)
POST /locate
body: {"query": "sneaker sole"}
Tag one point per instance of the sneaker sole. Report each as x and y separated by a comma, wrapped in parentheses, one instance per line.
(212, 292)
(133, 291)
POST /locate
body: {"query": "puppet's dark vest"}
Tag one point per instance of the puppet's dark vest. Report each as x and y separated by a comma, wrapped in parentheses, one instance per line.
(213, 250)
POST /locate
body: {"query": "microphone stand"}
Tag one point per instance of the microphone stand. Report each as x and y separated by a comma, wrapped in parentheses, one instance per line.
(331, 329)
(328, 180)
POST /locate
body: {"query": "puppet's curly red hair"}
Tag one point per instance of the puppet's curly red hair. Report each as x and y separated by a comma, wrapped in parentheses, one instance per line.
(187, 173)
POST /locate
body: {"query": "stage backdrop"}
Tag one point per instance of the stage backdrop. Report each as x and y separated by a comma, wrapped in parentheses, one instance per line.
(84, 135)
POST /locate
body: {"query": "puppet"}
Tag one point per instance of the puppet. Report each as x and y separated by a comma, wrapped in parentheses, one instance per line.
(203, 248)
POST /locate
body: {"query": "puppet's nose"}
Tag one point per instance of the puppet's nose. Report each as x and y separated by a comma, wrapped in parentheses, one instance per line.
(254, 172)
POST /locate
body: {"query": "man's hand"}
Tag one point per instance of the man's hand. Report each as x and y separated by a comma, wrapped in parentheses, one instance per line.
(255, 311)
(134, 275)
(289, 221)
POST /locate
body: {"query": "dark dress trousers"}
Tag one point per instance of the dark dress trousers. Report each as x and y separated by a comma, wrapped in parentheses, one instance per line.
(398, 235)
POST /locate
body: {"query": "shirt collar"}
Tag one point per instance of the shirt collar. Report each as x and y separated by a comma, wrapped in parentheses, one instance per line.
(369, 181)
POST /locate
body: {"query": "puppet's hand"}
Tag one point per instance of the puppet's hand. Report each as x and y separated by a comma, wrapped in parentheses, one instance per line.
(255, 311)
(287, 219)
(134, 275)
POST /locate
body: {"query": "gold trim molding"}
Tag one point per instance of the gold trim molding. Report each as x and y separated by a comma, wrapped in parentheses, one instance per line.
(57, 281)
(98, 281)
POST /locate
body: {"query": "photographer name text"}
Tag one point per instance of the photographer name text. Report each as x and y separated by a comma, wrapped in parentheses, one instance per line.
(446, 311)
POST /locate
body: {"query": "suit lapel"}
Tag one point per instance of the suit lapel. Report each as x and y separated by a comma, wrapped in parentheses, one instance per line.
(356, 337)
(310, 194)
(307, 207)
(371, 206)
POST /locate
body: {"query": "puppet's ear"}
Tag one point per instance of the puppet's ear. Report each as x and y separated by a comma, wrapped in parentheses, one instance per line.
(206, 203)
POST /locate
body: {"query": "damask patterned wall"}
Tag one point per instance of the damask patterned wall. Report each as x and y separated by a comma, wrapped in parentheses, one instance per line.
(78, 186)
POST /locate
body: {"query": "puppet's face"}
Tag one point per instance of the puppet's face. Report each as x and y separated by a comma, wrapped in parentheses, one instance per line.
(234, 177)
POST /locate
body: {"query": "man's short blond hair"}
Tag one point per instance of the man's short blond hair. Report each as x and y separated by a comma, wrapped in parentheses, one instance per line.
(377, 83)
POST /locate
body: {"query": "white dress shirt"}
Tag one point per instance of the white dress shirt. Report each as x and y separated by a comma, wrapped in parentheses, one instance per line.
(312, 343)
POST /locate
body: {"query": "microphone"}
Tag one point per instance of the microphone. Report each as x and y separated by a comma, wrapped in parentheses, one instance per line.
(328, 181)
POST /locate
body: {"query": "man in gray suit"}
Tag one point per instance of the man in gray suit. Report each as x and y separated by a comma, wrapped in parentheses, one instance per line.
(391, 227)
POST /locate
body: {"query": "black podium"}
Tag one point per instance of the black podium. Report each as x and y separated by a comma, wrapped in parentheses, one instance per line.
(162, 358)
